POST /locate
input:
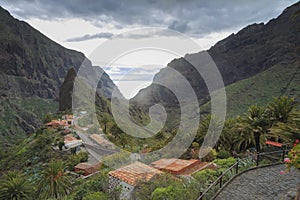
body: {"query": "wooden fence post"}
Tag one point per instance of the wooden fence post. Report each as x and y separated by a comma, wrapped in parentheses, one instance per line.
(283, 155)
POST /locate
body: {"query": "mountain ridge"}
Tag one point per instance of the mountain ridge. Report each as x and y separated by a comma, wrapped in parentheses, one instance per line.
(251, 51)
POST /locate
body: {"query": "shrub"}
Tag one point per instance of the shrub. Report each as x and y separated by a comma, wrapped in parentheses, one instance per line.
(96, 195)
(211, 154)
(206, 175)
(73, 160)
(294, 156)
(225, 163)
(223, 154)
(118, 159)
(195, 145)
(163, 193)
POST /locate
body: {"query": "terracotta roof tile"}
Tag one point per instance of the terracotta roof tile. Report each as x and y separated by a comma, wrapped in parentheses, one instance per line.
(180, 166)
(69, 138)
(83, 166)
(199, 167)
(135, 172)
(87, 168)
(173, 164)
(57, 122)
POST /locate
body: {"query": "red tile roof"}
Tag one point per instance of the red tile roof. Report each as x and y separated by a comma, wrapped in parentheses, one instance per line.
(57, 123)
(276, 144)
(173, 164)
(199, 167)
(134, 173)
(69, 138)
(179, 166)
(83, 166)
(87, 168)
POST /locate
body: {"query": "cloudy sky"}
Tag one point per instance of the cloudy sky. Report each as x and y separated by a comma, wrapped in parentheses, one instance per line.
(85, 24)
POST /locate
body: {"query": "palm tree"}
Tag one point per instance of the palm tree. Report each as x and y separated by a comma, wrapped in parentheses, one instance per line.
(105, 120)
(243, 139)
(15, 186)
(209, 130)
(285, 120)
(227, 137)
(252, 126)
(54, 182)
(281, 109)
(288, 131)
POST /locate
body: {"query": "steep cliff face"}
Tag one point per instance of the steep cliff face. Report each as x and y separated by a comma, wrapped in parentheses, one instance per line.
(32, 69)
(252, 50)
(31, 64)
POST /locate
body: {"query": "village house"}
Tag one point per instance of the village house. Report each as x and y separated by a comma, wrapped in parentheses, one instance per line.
(87, 168)
(129, 176)
(180, 167)
(72, 142)
(102, 141)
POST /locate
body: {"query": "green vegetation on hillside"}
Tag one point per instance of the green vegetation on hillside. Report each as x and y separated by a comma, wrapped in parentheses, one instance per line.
(22, 115)
(260, 89)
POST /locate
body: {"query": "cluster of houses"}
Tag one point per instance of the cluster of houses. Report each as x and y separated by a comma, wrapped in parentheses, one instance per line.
(66, 121)
(129, 176)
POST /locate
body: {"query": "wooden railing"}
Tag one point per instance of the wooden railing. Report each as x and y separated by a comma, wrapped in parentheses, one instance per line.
(259, 159)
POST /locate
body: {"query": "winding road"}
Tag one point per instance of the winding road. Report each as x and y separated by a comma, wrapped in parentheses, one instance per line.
(96, 151)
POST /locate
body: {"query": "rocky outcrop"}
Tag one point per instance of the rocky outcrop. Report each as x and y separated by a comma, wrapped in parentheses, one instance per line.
(103, 92)
(65, 93)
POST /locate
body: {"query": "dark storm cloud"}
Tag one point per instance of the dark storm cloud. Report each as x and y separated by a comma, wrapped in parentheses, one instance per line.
(195, 17)
(178, 26)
